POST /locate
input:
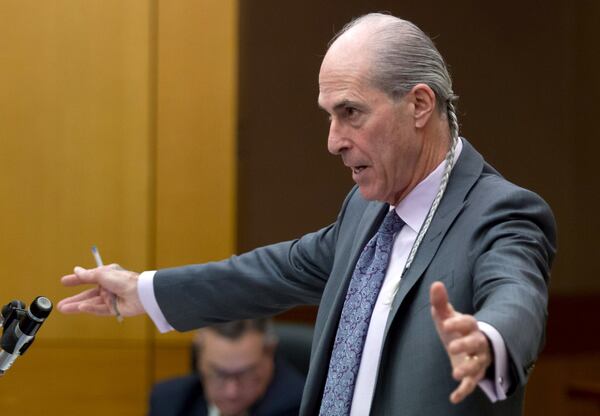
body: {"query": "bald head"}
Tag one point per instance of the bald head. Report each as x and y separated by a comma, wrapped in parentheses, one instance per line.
(397, 53)
(351, 52)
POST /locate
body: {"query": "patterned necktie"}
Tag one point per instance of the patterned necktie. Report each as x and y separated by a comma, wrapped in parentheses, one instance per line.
(356, 314)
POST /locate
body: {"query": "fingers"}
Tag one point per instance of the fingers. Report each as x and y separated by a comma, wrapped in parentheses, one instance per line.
(109, 299)
(472, 343)
(441, 308)
(468, 348)
(115, 284)
(71, 304)
(471, 366)
(92, 301)
(462, 324)
(81, 302)
(466, 387)
(80, 276)
(470, 356)
(96, 307)
(89, 301)
(110, 277)
(470, 372)
(85, 295)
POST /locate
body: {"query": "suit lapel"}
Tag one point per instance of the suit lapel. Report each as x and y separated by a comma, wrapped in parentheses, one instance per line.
(464, 175)
(423, 258)
(367, 227)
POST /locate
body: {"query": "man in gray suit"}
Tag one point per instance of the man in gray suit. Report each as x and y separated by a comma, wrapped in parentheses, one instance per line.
(387, 340)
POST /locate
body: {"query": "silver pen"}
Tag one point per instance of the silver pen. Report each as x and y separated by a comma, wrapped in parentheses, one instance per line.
(100, 263)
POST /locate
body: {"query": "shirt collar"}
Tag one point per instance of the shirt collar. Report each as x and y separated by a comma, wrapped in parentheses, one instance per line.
(214, 410)
(414, 207)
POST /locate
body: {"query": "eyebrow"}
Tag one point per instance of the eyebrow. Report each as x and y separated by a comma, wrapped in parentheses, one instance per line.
(342, 104)
(228, 371)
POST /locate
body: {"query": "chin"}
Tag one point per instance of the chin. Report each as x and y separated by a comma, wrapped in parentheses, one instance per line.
(366, 193)
(371, 195)
(231, 410)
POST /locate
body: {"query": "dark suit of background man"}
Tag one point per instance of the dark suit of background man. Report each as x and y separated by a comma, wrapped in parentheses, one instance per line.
(236, 375)
(487, 248)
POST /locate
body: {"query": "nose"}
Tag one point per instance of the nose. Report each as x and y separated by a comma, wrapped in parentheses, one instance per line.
(337, 141)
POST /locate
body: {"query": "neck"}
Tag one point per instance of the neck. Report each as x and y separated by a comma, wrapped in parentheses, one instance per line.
(433, 152)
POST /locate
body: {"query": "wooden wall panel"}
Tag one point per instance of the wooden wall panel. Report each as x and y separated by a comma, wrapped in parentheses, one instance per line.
(547, 393)
(74, 163)
(196, 125)
(196, 144)
(79, 378)
(75, 170)
(117, 128)
(172, 358)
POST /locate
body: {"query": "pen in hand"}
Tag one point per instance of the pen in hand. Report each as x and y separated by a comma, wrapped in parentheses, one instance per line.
(113, 298)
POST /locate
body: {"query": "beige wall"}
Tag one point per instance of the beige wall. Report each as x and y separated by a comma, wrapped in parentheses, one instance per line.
(107, 109)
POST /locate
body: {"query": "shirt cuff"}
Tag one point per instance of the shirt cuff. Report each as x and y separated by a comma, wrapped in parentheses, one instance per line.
(145, 289)
(495, 388)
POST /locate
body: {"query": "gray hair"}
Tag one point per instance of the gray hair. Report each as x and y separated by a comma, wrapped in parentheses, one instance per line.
(404, 56)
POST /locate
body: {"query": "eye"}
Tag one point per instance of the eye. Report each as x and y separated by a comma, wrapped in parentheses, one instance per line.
(350, 112)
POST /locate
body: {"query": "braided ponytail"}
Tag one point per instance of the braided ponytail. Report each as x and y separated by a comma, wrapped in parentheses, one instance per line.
(452, 119)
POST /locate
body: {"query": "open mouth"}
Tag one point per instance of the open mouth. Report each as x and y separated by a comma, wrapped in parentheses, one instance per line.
(358, 169)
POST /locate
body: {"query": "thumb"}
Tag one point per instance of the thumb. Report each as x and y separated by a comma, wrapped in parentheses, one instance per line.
(102, 276)
(440, 307)
(85, 275)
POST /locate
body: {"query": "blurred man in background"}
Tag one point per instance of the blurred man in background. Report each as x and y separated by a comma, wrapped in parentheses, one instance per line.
(236, 374)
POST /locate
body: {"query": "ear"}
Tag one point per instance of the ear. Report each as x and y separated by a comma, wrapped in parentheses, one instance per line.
(424, 104)
(196, 352)
(271, 346)
(199, 337)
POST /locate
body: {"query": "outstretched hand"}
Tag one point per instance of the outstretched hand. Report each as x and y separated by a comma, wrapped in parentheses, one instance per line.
(467, 347)
(110, 280)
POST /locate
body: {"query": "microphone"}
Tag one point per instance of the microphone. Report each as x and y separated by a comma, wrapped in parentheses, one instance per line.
(19, 328)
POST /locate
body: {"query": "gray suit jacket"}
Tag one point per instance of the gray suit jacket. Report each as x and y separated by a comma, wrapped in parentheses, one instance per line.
(490, 242)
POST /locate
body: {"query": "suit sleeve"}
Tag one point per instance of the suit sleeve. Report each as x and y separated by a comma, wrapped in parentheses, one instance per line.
(511, 274)
(262, 282)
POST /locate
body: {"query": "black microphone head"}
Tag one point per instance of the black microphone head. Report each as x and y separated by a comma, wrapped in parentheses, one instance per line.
(40, 307)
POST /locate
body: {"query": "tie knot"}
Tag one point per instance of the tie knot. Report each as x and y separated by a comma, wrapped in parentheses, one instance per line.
(392, 223)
